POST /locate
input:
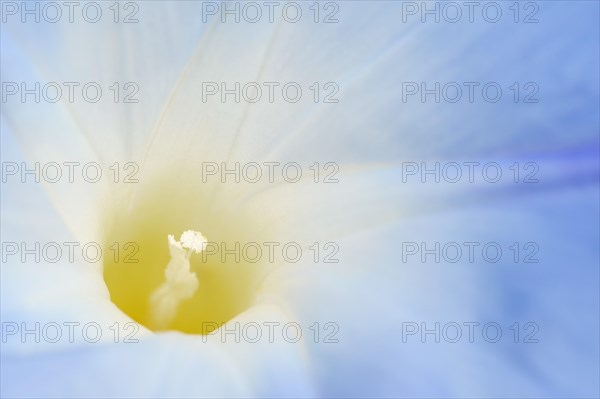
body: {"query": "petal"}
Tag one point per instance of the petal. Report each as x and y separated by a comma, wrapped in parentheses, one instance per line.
(45, 275)
(270, 347)
(147, 53)
(373, 290)
(48, 141)
(229, 363)
(160, 366)
(370, 55)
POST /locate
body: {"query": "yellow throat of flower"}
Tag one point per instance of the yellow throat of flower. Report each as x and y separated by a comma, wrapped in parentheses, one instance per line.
(166, 284)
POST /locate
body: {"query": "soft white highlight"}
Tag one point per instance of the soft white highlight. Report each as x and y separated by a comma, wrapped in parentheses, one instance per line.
(180, 282)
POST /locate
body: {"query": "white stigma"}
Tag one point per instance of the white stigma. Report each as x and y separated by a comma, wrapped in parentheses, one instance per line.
(180, 283)
(193, 241)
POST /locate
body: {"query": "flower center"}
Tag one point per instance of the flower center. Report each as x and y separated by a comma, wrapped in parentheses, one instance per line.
(165, 284)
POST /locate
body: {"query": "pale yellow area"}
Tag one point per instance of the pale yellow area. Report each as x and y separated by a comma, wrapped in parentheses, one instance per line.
(226, 288)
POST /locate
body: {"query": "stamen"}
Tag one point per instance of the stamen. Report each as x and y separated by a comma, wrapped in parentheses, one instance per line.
(180, 283)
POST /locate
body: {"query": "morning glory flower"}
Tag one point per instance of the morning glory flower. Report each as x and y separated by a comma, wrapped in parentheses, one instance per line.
(383, 318)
